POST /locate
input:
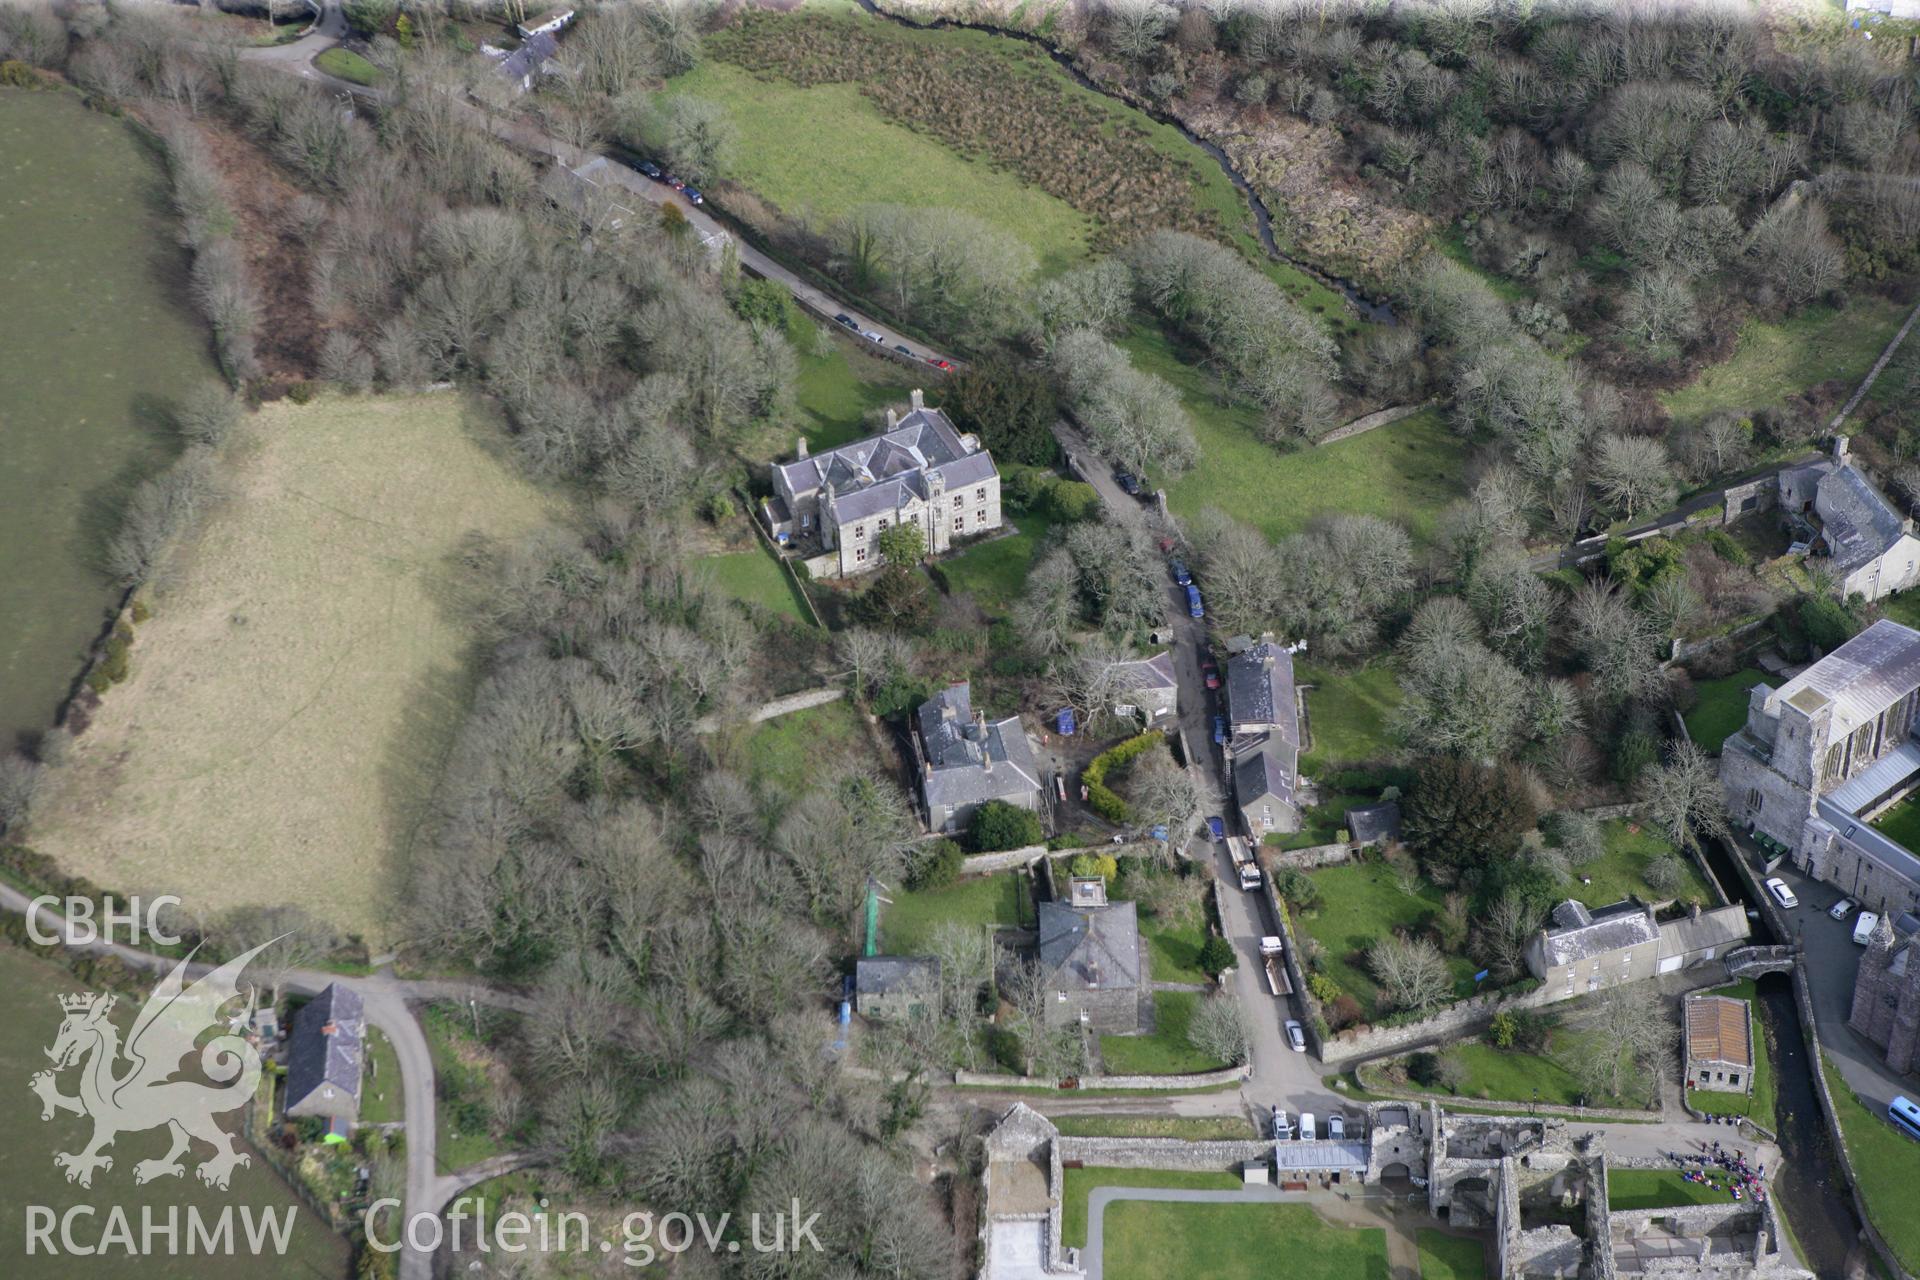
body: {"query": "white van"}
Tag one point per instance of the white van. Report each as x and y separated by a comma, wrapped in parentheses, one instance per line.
(1863, 927)
(1282, 1127)
(1307, 1133)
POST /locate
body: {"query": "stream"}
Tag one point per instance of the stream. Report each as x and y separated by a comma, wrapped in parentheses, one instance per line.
(1372, 310)
(1810, 1186)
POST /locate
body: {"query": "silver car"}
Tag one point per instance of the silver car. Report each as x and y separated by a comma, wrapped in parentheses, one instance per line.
(1296, 1036)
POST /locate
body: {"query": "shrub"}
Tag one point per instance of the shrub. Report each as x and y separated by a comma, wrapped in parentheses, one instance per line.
(997, 825)
(936, 866)
(116, 659)
(15, 74)
(1216, 956)
(1297, 888)
(1724, 546)
(1324, 989)
(1424, 1069)
(303, 392)
(1345, 1012)
(1664, 873)
(1073, 501)
(1503, 1030)
(1101, 798)
(1104, 865)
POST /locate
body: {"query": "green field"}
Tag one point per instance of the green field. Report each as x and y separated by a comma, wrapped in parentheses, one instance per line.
(1659, 1189)
(1408, 471)
(794, 752)
(839, 385)
(95, 340)
(1512, 1076)
(1173, 950)
(1078, 1183)
(1760, 1105)
(994, 572)
(820, 152)
(1149, 1241)
(755, 578)
(1886, 1164)
(1348, 714)
(1777, 360)
(1722, 709)
(29, 1005)
(1445, 1257)
(1622, 870)
(1166, 1052)
(1359, 905)
(1002, 899)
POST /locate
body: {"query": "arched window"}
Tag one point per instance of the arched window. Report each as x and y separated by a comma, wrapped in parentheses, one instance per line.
(1835, 754)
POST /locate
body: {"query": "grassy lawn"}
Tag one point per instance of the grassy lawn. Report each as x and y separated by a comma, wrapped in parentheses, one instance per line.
(1659, 1189)
(1322, 823)
(1407, 471)
(1903, 608)
(839, 384)
(97, 331)
(380, 1086)
(1493, 1075)
(755, 578)
(1001, 899)
(1722, 708)
(1761, 1104)
(1887, 1164)
(1145, 1240)
(1445, 1257)
(1359, 905)
(1165, 1052)
(347, 65)
(460, 1067)
(1173, 950)
(313, 648)
(1348, 714)
(1902, 823)
(994, 572)
(1077, 1184)
(1190, 1128)
(820, 152)
(1622, 870)
(793, 752)
(1774, 361)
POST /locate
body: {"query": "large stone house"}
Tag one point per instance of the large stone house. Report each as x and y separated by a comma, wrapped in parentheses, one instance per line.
(920, 471)
(1090, 953)
(1719, 1044)
(1263, 746)
(1827, 752)
(1886, 995)
(324, 1056)
(1870, 545)
(964, 760)
(1587, 950)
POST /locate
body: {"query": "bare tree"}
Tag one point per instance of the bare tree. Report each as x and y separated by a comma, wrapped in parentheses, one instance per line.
(1411, 972)
(1631, 474)
(1219, 1029)
(1683, 796)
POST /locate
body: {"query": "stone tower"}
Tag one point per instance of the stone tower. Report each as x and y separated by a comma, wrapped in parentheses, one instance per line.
(1886, 997)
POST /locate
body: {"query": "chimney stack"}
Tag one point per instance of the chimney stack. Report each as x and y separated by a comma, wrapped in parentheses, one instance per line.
(918, 402)
(803, 448)
(893, 419)
(1840, 448)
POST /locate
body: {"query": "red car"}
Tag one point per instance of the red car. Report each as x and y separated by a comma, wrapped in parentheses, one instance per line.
(1210, 672)
(678, 184)
(938, 363)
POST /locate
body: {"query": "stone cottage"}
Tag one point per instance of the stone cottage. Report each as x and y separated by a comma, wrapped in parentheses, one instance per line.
(964, 760)
(1147, 688)
(1869, 543)
(920, 471)
(894, 987)
(1263, 745)
(1719, 1044)
(1090, 952)
(324, 1056)
(1586, 950)
(1886, 996)
(1827, 752)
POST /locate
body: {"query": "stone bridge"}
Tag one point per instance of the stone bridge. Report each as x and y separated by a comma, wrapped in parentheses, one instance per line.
(1751, 962)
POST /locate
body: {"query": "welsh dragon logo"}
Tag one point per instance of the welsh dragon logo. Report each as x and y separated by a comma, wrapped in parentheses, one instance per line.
(146, 1095)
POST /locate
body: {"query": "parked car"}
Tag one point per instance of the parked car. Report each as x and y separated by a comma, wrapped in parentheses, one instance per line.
(693, 195)
(1282, 1127)
(1336, 1127)
(1220, 729)
(678, 184)
(1863, 927)
(651, 169)
(1841, 909)
(938, 363)
(1210, 672)
(1195, 609)
(1181, 574)
(1781, 894)
(1128, 482)
(1307, 1131)
(901, 347)
(1297, 1041)
(1218, 828)
(873, 335)
(1166, 546)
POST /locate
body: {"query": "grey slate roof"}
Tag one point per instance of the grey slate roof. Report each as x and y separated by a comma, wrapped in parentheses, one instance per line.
(1859, 524)
(1266, 771)
(315, 1058)
(1624, 924)
(530, 57)
(1715, 929)
(878, 475)
(1374, 823)
(1260, 689)
(1862, 678)
(960, 749)
(1150, 673)
(1090, 949)
(877, 975)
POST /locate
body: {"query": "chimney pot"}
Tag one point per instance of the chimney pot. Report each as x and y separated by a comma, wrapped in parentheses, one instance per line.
(803, 447)
(918, 402)
(893, 419)
(1840, 447)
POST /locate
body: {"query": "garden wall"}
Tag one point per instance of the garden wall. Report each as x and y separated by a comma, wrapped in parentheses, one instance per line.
(1161, 1153)
(1471, 1015)
(1319, 855)
(981, 864)
(1197, 1080)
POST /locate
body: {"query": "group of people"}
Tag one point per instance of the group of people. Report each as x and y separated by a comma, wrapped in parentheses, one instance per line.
(1720, 1169)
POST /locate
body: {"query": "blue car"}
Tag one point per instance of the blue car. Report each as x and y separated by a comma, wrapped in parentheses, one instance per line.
(1129, 484)
(1194, 608)
(1180, 574)
(651, 169)
(693, 194)
(1218, 828)
(1220, 730)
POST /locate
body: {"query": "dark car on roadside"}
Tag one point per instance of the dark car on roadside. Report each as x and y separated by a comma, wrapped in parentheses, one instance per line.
(1128, 482)
(678, 184)
(651, 169)
(847, 320)
(1218, 828)
(693, 194)
(1181, 574)
(1220, 729)
(901, 347)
